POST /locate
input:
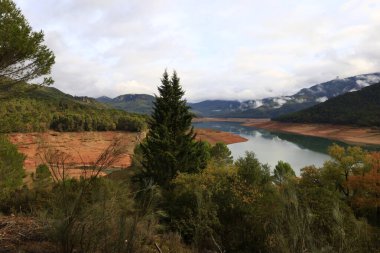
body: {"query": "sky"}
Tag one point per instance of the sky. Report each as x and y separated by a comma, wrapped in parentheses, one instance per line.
(221, 49)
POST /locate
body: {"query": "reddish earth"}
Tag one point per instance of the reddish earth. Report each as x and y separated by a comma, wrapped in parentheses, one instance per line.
(214, 136)
(83, 148)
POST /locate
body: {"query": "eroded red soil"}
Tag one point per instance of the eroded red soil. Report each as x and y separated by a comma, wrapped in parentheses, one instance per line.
(83, 148)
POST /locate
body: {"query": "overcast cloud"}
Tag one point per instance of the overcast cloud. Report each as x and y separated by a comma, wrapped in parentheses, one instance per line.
(241, 49)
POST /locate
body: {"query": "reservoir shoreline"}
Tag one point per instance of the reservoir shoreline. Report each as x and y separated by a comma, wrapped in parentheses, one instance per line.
(344, 133)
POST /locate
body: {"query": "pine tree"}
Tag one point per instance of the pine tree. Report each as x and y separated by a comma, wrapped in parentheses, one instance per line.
(170, 145)
(23, 56)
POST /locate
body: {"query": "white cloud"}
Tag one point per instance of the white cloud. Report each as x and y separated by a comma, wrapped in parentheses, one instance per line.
(221, 49)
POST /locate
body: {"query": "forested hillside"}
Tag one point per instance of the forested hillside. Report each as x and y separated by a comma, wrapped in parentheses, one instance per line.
(135, 103)
(30, 109)
(361, 108)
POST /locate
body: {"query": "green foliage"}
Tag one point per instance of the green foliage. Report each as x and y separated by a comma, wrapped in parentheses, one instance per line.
(251, 170)
(359, 108)
(316, 220)
(224, 208)
(282, 173)
(44, 108)
(11, 168)
(102, 215)
(42, 178)
(344, 163)
(221, 154)
(170, 145)
(22, 53)
(219, 210)
(241, 208)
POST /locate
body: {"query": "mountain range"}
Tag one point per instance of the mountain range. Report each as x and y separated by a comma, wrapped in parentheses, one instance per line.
(276, 106)
(256, 108)
(361, 108)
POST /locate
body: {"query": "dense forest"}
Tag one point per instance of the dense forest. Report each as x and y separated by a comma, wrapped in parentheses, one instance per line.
(37, 109)
(360, 108)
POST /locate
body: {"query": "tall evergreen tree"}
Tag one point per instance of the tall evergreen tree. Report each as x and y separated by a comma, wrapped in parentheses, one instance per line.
(170, 145)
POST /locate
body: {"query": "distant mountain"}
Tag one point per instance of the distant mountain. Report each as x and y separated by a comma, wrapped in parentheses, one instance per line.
(137, 103)
(276, 106)
(104, 99)
(214, 107)
(360, 108)
(259, 108)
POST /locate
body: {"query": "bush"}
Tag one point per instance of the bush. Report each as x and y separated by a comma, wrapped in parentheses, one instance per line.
(11, 168)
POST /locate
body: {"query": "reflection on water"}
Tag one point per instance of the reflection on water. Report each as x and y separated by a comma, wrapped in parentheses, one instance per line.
(270, 147)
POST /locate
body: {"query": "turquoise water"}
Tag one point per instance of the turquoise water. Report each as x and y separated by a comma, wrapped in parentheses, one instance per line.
(270, 147)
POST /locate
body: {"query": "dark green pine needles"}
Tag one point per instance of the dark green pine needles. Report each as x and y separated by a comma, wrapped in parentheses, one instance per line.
(170, 146)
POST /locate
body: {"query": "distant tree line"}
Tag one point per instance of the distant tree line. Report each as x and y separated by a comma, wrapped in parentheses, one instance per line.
(34, 115)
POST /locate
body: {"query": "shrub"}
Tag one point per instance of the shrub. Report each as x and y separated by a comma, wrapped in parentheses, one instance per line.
(11, 168)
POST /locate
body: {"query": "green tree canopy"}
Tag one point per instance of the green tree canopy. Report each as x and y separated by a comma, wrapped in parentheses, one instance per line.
(11, 168)
(170, 145)
(282, 173)
(221, 154)
(23, 57)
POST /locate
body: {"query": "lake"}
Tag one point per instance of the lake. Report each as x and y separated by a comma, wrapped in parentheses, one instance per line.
(271, 147)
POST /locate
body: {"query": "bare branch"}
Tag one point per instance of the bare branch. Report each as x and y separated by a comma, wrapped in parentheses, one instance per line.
(158, 248)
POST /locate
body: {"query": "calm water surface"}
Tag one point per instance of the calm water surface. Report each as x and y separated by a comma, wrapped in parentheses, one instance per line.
(270, 147)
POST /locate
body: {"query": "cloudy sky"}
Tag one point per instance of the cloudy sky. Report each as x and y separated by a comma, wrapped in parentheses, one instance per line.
(221, 49)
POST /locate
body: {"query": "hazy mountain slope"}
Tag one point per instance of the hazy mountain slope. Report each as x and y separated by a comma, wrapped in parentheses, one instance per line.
(360, 108)
(214, 107)
(275, 106)
(137, 103)
(104, 99)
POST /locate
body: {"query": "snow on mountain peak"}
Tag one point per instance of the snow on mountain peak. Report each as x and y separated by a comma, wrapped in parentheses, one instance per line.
(321, 99)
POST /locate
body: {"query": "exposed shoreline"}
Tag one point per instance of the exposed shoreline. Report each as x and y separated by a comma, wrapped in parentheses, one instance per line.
(84, 147)
(344, 133)
(213, 136)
